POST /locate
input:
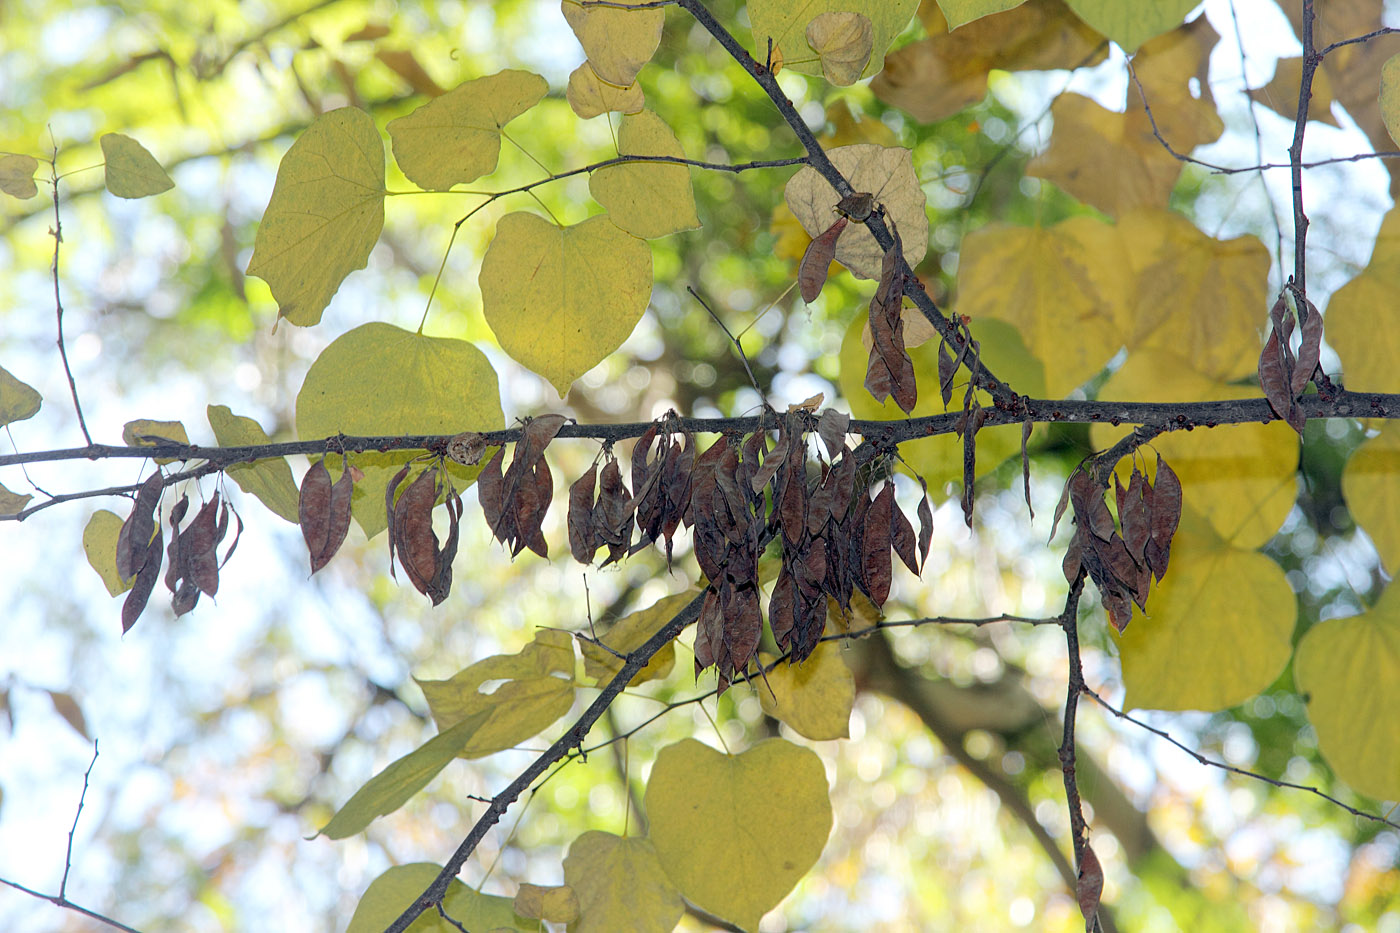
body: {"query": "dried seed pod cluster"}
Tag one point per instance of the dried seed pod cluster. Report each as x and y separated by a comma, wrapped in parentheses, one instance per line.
(890, 372)
(1282, 374)
(411, 535)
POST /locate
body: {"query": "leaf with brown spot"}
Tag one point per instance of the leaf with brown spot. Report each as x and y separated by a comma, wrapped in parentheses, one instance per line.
(133, 541)
(831, 428)
(145, 582)
(875, 564)
(583, 538)
(1165, 515)
(817, 259)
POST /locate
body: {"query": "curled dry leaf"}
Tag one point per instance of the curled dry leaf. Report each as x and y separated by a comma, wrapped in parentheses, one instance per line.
(1309, 349)
(583, 536)
(1164, 516)
(145, 582)
(816, 261)
(925, 525)
(875, 564)
(1089, 887)
(133, 541)
(831, 428)
(1026, 465)
(1132, 515)
(389, 492)
(414, 539)
(323, 511)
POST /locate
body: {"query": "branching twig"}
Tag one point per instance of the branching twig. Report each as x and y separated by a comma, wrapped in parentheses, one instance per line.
(1079, 830)
(82, 798)
(58, 299)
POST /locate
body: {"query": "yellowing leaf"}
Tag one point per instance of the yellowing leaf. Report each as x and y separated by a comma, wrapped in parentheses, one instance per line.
(617, 42)
(1168, 68)
(18, 400)
(391, 788)
(646, 199)
(1059, 286)
(1281, 94)
(392, 892)
(631, 632)
(561, 299)
(17, 175)
(1130, 24)
(1369, 483)
(539, 689)
(886, 173)
(143, 432)
(842, 41)
(270, 480)
(379, 380)
(557, 904)
(131, 171)
(1218, 628)
(939, 459)
(620, 886)
(13, 502)
(815, 697)
(456, 138)
(1349, 671)
(1243, 477)
(72, 713)
(959, 12)
(100, 546)
(590, 96)
(736, 832)
(938, 76)
(847, 129)
(1368, 351)
(786, 22)
(325, 215)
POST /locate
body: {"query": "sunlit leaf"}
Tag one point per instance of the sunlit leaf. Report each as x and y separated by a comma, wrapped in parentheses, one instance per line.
(814, 697)
(17, 175)
(1373, 495)
(145, 432)
(735, 833)
(620, 886)
(617, 42)
(1348, 671)
(100, 546)
(539, 688)
(18, 400)
(959, 12)
(456, 138)
(590, 96)
(391, 788)
(1133, 22)
(646, 199)
(325, 215)
(1174, 71)
(560, 299)
(786, 23)
(1368, 351)
(555, 903)
(270, 479)
(842, 41)
(390, 894)
(131, 171)
(886, 173)
(381, 380)
(629, 633)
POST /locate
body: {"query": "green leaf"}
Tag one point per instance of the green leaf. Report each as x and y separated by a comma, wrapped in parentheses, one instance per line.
(380, 380)
(736, 832)
(647, 199)
(100, 546)
(560, 299)
(620, 886)
(13, 502)
(270, 480)
(617, 42)
(539, 689)
(390, 894)
(17, 175)
(391, 788)
(631, 632)
(325, 215)
(18, 400)
(1373, 495)
(456, 138)
(786, 22)
(1349, 672)
(958, 12)
(815, 697)
(146, 432)
(1130, 23)
(132, 172)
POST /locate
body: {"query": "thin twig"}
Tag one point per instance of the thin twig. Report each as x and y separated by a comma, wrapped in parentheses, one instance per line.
(1295, 158)
(1258, 143)
(743, 357)
(1242, 772)
(1079, 829)
(58, 299)
(1383, 31)
(69, 905)
(68, 855)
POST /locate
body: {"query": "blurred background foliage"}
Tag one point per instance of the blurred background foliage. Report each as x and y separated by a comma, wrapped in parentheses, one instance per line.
(230, 735)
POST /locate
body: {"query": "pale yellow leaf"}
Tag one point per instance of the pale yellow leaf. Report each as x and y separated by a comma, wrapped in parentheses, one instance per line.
(1218, 628)
(392, 892)
(646, 199)
(886, 173)
(735, 833)
(814, 697)
(456, 138)
(1169, 68)
(539, 688)
(617, 42)
(12, 503)
(959, 12)
(842, 41)
(590, 96)
(786, 23)
(1130, 23)
(17, 175)
(847, 128)
(381, 380)
(560, 299)
(1349, 671)
(556, 904)
(620, 886)
(325, 215)
(72, 713)
(1371, 485)
(1369, 351)
(131, 171)
(144, 432)
(100, 546)
(271, 479)
(629, 633)
(18, 400)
